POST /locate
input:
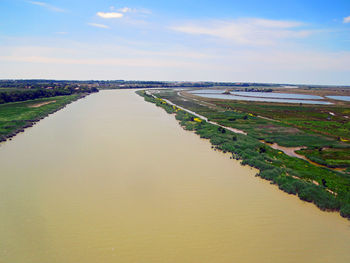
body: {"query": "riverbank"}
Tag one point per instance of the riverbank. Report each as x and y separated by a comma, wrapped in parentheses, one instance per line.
(17, 116)
(292, 175)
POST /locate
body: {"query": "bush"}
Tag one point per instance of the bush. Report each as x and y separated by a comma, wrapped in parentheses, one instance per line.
(323, 199)
(287, 184)
(270, 174)
(288, 188)
(317, 160)
(216, 140)
(345, 210)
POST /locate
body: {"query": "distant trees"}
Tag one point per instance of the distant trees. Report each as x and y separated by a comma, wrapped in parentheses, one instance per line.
(31, 94)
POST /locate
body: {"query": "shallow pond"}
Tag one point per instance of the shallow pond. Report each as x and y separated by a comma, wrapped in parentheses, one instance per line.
(261, 96)
(343, 98)
(276, 95)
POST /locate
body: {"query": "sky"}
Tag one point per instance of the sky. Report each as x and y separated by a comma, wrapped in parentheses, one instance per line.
(297, 42)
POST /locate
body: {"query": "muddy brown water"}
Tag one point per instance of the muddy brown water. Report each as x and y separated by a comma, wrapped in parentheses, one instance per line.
(111, 178)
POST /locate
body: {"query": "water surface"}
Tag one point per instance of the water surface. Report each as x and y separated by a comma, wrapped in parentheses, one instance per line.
(261, 96)
(234, 97)
(343, 98)
(277, 95)
(112, 178)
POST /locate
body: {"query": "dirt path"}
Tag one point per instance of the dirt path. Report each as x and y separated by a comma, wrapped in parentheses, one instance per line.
(206, 119)
(41, 104)
(290, 151)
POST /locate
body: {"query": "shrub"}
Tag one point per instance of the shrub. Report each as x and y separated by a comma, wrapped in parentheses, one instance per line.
(270, 174)
(345, 210)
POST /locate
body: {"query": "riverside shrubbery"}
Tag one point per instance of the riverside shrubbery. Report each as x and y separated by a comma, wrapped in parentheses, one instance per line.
(250, 153)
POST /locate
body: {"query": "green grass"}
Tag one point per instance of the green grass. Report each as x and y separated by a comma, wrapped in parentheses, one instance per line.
(331, 157)
(18, 115)
(9, 89)
(309, 118)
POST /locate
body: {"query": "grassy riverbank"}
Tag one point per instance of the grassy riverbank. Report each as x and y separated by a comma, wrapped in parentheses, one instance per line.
(329, 190)
(16, 116)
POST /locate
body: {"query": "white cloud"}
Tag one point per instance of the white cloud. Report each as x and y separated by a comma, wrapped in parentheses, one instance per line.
(125, 10)
(244, 60)
(109, 15)
(37, 3)
(136, 60)
(250, 31)
(98, 25)
(272, 23)
(48, 6)
(128, 62)
(270, 66)
(133, 10)
(346, 19)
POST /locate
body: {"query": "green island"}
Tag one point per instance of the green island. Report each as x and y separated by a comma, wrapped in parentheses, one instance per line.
(301, 148)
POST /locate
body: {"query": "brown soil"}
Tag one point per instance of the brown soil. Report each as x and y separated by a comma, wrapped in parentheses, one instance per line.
(41, 104)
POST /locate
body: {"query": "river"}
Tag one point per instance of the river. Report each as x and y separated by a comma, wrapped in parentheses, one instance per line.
(112, 178)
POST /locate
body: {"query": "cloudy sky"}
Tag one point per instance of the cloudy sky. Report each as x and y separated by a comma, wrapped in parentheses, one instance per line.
(224, 40)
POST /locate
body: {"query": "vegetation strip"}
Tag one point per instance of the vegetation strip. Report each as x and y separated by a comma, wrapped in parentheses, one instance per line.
(328, 190)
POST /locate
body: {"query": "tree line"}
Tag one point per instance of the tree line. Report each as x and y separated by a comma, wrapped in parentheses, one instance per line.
(31, 94)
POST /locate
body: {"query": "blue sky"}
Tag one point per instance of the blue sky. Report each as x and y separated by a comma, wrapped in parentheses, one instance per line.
(252, 41)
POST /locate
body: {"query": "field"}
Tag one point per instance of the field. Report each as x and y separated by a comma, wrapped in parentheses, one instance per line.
(306, 126)
(331, 121)
(328, 188)
(16, 116)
